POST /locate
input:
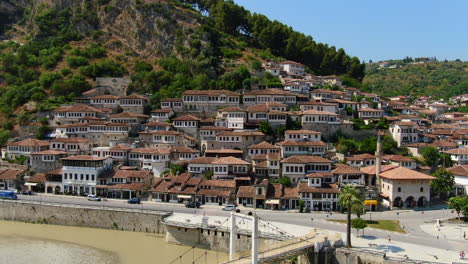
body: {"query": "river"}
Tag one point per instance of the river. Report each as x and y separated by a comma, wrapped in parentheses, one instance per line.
(22, 243)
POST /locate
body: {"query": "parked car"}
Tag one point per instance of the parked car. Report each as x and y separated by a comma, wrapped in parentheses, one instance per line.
(27, 192)
(192, 204)
(229, 207)
(93, 198)
(134, 201)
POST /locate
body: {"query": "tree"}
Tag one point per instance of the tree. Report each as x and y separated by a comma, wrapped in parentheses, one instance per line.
(301, 206)
(286, 181)
(430, 155)
(443, 183)
(173, 169)
(458, 203)
(265, 128)
(358, 209)
(208, 174)
(4, 136)
(359, 223)
(349, 196)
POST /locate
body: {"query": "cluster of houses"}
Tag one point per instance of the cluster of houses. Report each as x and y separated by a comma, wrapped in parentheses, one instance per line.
(113, 145)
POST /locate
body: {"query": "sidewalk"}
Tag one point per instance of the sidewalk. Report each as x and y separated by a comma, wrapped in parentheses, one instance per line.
(453, 232)
(402, 249)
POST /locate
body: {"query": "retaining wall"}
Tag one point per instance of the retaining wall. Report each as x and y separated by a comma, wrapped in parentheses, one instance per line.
(85, 217)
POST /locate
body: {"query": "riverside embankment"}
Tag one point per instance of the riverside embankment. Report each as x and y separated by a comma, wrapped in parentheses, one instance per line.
(84, 216)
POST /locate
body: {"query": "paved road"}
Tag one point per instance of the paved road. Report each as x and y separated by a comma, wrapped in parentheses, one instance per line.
(411, 220)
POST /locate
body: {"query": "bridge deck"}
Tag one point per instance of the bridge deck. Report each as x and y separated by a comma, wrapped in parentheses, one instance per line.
(293, 247)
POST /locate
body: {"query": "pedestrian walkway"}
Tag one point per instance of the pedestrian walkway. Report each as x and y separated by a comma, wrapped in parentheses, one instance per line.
(452, 231)
(406, 250)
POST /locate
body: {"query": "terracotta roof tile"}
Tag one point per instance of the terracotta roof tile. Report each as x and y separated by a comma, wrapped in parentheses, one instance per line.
(305, 159)
(230, 161)
(30, 142)
(245, 192)
(128, 115)
(302, 143)
(211, 92)
(10, 174)
(305, 188)
(186, 118)
(84, 157)
(263, 145)
(302, 131)
(461, 170)
(77, 108)
(131, 174)
(345, 169)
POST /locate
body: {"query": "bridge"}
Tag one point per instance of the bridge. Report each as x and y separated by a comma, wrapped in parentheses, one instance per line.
(279, 241)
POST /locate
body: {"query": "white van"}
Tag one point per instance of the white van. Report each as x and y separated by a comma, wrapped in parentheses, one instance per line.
(229, 207)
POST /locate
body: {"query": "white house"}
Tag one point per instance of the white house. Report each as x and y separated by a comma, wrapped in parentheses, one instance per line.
(404, 132)
(295, 68)
(297, 167)
(80, 173)
(459, 155)
(460, 174)
(150, 159)
(209, 100)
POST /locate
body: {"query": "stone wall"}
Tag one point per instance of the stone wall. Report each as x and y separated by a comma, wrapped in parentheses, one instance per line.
(128, 220)
(345, 256)
(211, 239)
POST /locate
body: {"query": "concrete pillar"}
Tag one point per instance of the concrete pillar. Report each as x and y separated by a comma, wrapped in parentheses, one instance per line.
(232, 236)
(254, 239)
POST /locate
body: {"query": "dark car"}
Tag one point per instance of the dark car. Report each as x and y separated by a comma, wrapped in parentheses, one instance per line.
(193, 205)
(27, 192)
(134, 201)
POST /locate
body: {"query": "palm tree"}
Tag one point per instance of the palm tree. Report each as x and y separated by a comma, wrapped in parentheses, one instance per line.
(349, 196)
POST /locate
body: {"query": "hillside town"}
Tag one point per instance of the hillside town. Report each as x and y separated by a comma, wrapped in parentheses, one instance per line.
(272, 148)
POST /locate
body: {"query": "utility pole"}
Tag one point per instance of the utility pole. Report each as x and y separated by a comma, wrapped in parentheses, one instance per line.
(254, 239)
(232, 236)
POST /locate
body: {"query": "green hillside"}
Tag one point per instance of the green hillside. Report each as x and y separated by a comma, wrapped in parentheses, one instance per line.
(439, 79)
(57, 48)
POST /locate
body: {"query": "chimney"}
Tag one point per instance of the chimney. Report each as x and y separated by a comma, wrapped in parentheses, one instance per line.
(378, 157)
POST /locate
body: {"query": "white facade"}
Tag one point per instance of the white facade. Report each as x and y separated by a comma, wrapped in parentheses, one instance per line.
(80, 176)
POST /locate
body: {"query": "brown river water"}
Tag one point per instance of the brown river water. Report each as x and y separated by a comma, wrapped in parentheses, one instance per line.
(22, 243)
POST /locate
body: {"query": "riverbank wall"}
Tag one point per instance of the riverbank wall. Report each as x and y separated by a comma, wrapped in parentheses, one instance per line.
(94, 217)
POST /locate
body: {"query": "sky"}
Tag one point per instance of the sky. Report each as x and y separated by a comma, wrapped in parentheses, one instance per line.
(377, 29)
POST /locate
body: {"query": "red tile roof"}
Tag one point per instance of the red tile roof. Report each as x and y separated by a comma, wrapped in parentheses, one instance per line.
(211, 92)
(305, 159)
(345, 169)
(186, 118)
(10, 174)
(461, 170)
(84, 157)
(263, 145)
(78, 108)
(30, 142)
(305, 188)
(128, 115)
(302, 131)
(131, 174)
